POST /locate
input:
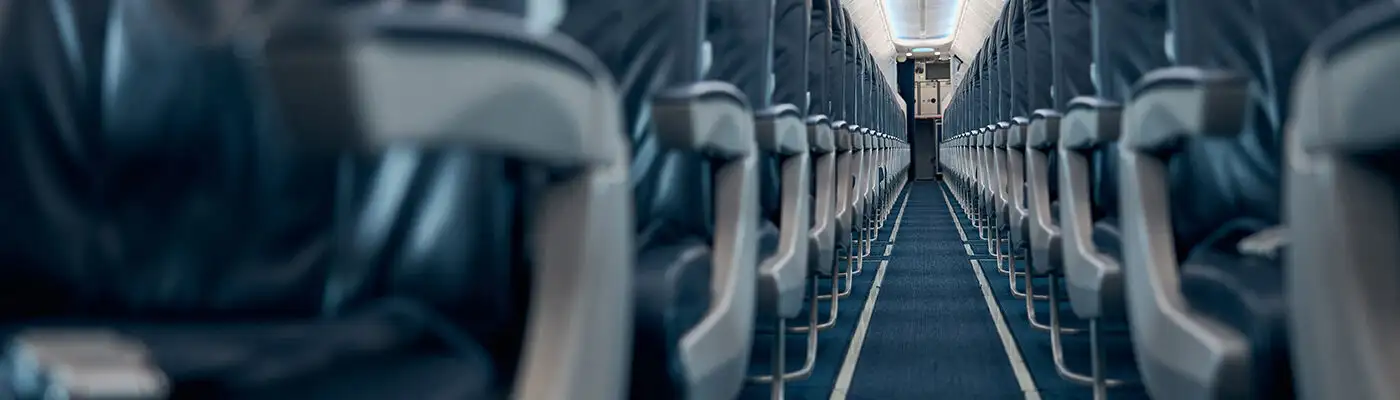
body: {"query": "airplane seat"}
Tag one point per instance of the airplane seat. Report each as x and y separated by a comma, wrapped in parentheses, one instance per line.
(697, 188)
(804, 28)
(1232, 193)
(1130, 42)
(1044, 235)
(554, 175)
(1020, 112)
(1034, 79)
(855, 93)
(822, 251)
(840, 92)
(1340, 180)
(1210, 172)
(1005, 95)
(1067, 23)
(786, 167)
(193, 274)
(785, 163)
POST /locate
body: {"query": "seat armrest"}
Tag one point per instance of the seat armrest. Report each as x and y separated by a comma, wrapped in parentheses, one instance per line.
(1017, 138)
(1089, 122)
(373, 60)
(823, 140)
(782, 131)
(702, 117)
(823, 236)
(1173, 104)
(1044, 132)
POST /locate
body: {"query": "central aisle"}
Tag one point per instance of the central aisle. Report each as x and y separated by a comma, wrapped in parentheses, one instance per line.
(931, 335)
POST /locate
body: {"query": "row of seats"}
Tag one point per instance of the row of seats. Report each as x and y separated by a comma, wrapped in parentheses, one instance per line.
(1140, 151)
(590, 199)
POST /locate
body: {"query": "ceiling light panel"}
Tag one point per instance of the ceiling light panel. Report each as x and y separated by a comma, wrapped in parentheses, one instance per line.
(921, 20)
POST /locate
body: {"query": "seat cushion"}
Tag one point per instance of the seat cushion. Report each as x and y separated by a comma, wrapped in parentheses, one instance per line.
(673, 292)
(768, 238)
(1243, 292)
(1108, 239)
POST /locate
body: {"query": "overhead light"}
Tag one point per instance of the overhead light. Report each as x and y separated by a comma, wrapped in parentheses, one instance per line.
(937, 53)
(924, 50)
(910, 54)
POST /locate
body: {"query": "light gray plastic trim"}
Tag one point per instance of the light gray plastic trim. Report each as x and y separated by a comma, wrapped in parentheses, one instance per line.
(1090, 122)
(698, 105)
(1019, 214)
(843, 138)
(783, 276)
(1180, 353)
(782, 130)
(392, 91)
(845, 171)
(1342, 283)
(715, 353)
(582, 292)
(998, 201)
(1044, 233)
(1017, 138)
(859, 170)
(1049, 136)
(1093, 280)
(1202, 102)
(822, 140)
(822, 250)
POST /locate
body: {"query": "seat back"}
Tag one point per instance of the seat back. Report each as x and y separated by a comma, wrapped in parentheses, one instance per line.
(1013, 76)
(1021, 58)
(1034, 77)
(1341, 188)
(1129, 41)
(1071, 51)
(822, 138)
(782, 136)
(1238, 177)
(1005, 24)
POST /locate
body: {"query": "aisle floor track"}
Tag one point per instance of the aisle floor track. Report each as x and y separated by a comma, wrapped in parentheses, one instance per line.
(1034, 345)
(832, 344)
(930, 336)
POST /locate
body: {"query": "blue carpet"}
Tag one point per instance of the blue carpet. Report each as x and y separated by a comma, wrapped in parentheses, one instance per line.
(832, 343)
(930, 336)
(1035, 344)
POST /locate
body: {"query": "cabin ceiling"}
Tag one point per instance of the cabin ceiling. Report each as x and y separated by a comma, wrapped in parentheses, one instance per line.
(920, 27)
